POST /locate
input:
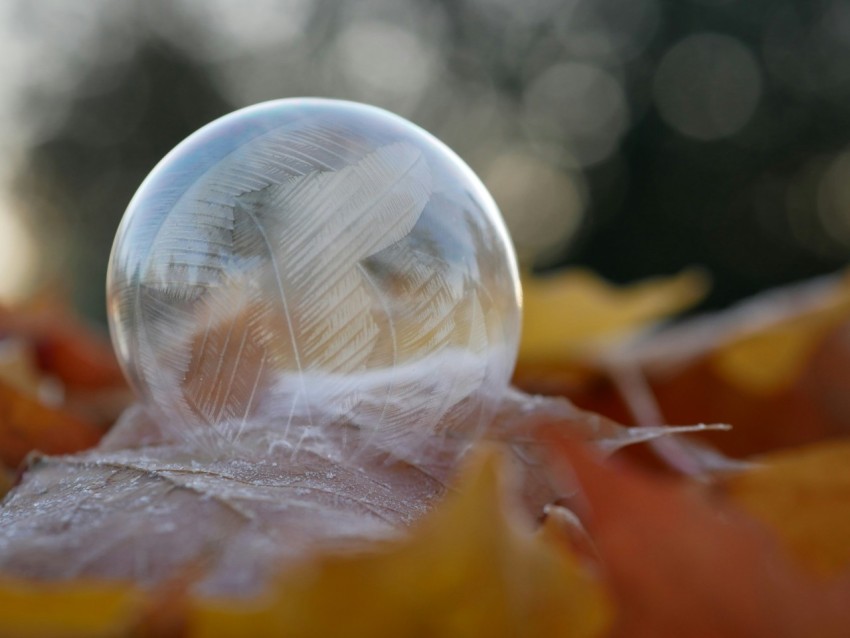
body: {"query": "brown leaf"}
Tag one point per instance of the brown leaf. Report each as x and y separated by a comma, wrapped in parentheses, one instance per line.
(147, 515)
(682, 565)
(772, 367)
(26, 425)
(760, 367)
(60, 385)
(153, 504)
(6, 481)
(65, 346)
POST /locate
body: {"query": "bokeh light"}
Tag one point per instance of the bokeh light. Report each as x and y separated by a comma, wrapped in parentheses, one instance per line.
(636, 137)
(833, 196)
(542, 206)
(386, 60)
(18, 256)
(707, 86)
(580, 106)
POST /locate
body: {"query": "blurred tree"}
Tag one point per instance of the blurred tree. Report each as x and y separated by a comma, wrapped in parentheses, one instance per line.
(114, 127)
(661, 133)
(745, 206)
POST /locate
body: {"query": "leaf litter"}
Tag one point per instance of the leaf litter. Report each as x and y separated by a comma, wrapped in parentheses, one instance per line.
(143, 507)
(635, 537)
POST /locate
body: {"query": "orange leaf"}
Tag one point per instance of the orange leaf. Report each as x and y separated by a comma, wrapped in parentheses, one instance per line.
(66, 347)
(79, 357)
(776, 334)
(772, 367)
(680, 565)
(804, 495)
(27, 425)
(6, 481)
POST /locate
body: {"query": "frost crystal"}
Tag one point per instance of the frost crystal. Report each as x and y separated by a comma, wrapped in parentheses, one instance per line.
(322, 271)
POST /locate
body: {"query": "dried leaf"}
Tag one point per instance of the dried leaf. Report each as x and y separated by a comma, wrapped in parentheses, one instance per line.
(26, 425)
(79, 610)
(762, 346)
(477, 542)
(153, 506)
(60, 385)
(566, 315)
(6, 481)
(65, 347)
(146, 515)
(681, 565)
(472, 569)
(772, 367)
(804, 496)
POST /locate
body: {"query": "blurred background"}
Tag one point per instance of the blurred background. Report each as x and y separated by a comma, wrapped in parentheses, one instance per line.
(635, 137)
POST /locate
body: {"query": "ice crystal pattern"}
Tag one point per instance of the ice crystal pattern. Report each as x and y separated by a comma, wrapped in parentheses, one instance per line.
(324, 271)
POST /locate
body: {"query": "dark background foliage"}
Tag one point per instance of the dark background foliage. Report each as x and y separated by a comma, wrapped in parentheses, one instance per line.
(636, 137)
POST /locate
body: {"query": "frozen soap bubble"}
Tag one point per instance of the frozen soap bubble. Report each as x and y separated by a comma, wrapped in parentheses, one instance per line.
(315, 270)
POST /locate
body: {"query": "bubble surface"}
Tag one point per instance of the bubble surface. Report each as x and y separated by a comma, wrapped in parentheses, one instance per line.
(317, 270)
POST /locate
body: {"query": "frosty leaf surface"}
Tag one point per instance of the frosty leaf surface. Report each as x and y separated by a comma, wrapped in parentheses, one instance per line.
(146, 515)
(146, 506)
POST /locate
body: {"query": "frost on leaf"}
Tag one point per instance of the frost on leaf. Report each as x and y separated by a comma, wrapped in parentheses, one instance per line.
(144, 507)
(145, 514)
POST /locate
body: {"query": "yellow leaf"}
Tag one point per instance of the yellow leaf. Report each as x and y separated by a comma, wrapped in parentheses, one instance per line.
(71, 610)
(778, 336)
(804, 495)
(469, 570)
(565, 315)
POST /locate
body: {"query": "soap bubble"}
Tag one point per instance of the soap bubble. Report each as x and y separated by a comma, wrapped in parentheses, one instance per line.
(317, 271)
